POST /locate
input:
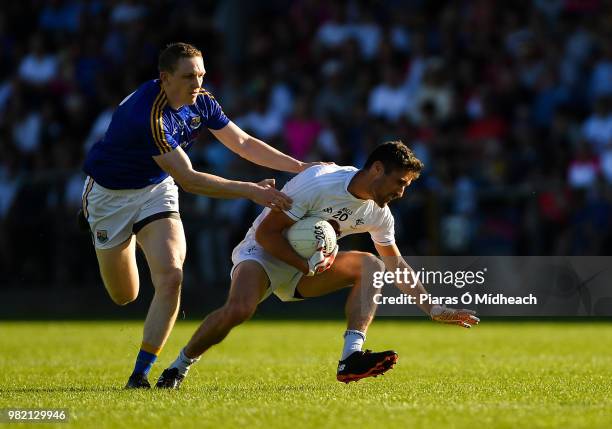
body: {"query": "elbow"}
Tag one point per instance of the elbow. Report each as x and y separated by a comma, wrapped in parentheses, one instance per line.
(187, 187)
(243, 148)
(184, 184)
(243, 153)
(185, 181)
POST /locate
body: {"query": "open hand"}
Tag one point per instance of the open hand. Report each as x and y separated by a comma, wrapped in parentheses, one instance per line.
(264, 193)
(465, 318)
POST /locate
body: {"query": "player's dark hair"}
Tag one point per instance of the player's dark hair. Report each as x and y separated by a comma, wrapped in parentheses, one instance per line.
(394, 155)
(169, 57)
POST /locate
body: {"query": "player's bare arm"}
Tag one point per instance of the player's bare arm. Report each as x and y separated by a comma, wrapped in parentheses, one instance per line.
(393, 260)
(270, 236)
(177, 164)
(256, 151)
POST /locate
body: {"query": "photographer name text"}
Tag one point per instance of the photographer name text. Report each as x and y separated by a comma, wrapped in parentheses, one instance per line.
(466, 298)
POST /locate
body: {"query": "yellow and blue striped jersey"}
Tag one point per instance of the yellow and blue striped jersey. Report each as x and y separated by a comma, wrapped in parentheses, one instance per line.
(144, 125)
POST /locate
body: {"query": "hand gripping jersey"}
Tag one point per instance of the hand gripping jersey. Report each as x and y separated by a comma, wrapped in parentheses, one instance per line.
(144, 125)
(322, 191)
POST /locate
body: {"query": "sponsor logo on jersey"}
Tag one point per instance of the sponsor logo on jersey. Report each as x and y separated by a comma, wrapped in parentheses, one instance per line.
(101, 236)
(327, 210)
(358, 222)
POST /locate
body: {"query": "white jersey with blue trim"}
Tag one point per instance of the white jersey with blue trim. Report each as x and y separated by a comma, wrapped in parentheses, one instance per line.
(322, 191)
(143, 126)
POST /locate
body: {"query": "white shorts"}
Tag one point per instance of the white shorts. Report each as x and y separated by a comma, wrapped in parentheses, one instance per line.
(114, 215)
(283, 277)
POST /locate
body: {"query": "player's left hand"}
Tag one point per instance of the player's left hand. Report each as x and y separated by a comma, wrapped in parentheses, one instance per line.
(321, 261)
(306, 165)
(465, 318)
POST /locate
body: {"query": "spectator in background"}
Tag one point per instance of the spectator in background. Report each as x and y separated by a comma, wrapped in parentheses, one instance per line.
(367, 32)
(435, 89)
(26, 128)
(597, 129)
(261, 119)
(301, 129)
(335, 97)
(389, 100)
(490, 124)
(60, 15)
(583, 170)
(601, 78)
(335, 30)
(38, 67)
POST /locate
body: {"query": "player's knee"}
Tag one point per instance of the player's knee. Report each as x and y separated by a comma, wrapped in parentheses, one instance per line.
(370, 263)
(169, 282)
(122, 292)
(123, 298)
(372, 260)
(238, 312)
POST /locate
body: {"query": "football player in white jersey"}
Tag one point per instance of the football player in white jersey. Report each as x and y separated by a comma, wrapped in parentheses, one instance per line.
(355, 201)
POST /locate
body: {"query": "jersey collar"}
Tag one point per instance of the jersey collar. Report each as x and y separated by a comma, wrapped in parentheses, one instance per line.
(352, 197)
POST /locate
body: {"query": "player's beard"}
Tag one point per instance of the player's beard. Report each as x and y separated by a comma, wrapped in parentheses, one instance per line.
(381, 201)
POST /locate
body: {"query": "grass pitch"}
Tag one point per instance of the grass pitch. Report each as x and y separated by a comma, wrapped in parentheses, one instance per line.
(277, 374)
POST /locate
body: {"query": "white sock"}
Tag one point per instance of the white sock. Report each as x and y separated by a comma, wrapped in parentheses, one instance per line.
(182, 363)
(353, 340)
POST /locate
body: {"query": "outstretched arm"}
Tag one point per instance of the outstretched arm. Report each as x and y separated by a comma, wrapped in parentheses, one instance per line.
(393, 260)
(177, 164)
(256, 151)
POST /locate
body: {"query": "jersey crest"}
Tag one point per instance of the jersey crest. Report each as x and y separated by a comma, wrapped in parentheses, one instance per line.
(195, 122)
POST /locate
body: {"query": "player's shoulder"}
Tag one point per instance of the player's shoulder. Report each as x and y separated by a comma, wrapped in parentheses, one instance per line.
(386, 211)
(205, 93)
(148, 97)
(152, 86)
(328, 171)
(382, 214)
(206, 102)
(379, 215)
(205, 97)
(149, 92)
(319, 176)
(328, 176)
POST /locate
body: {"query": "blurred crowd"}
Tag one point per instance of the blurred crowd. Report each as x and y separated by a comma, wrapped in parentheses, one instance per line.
(508, 104)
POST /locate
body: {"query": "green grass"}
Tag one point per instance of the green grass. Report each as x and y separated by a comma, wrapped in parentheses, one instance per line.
(277, 374)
